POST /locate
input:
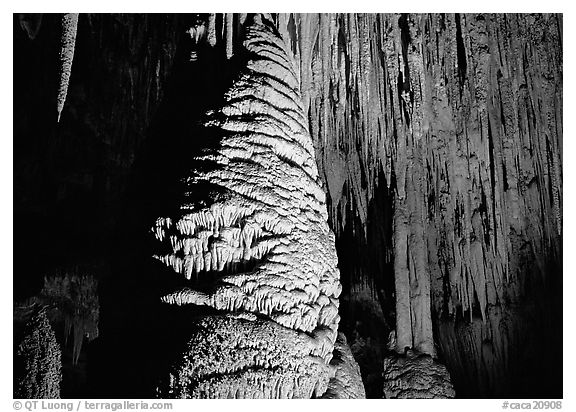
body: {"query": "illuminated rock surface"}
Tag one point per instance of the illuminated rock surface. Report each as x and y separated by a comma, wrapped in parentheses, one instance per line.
(37, 361)
(416, 376)
(263, 246)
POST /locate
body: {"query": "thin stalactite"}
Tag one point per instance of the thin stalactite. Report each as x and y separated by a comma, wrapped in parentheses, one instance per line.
(69, 26)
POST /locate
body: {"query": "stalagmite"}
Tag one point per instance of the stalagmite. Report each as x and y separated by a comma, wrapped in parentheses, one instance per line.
(38, 362)
(416, 376)
(283, 271)
(347, 382)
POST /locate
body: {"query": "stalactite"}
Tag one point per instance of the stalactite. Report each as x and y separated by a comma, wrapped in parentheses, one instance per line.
(463, 113)
(74, 298)
(430, 123)
(31, 23)
(229, 34)
(211, 27)
(68, 43)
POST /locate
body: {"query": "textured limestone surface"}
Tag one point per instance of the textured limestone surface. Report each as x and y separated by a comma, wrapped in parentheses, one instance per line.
(459, 118)
(258, 244)
(37, 360)
(68, 44)
(347, 381)
(236, 356)
(416, 376)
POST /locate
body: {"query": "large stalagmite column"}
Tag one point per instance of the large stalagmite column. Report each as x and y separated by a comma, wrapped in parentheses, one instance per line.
(253, 241)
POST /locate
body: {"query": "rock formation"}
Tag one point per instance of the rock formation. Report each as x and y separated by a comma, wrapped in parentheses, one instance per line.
(459, 116)
(69, 28)
(347, 380)
(437, 141)
(73, 299)
(253, 231)
(416, 376)
(37, 361)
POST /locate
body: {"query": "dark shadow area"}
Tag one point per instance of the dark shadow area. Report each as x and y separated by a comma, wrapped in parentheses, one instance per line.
(522, 337)
(138, 332)
(366, 264)
(88, 190)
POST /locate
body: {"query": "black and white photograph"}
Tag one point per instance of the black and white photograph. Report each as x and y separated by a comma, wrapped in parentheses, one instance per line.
(338, 205)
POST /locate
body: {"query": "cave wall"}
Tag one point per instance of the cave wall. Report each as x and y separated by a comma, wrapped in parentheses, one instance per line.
(438, 139)
(462, 114)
